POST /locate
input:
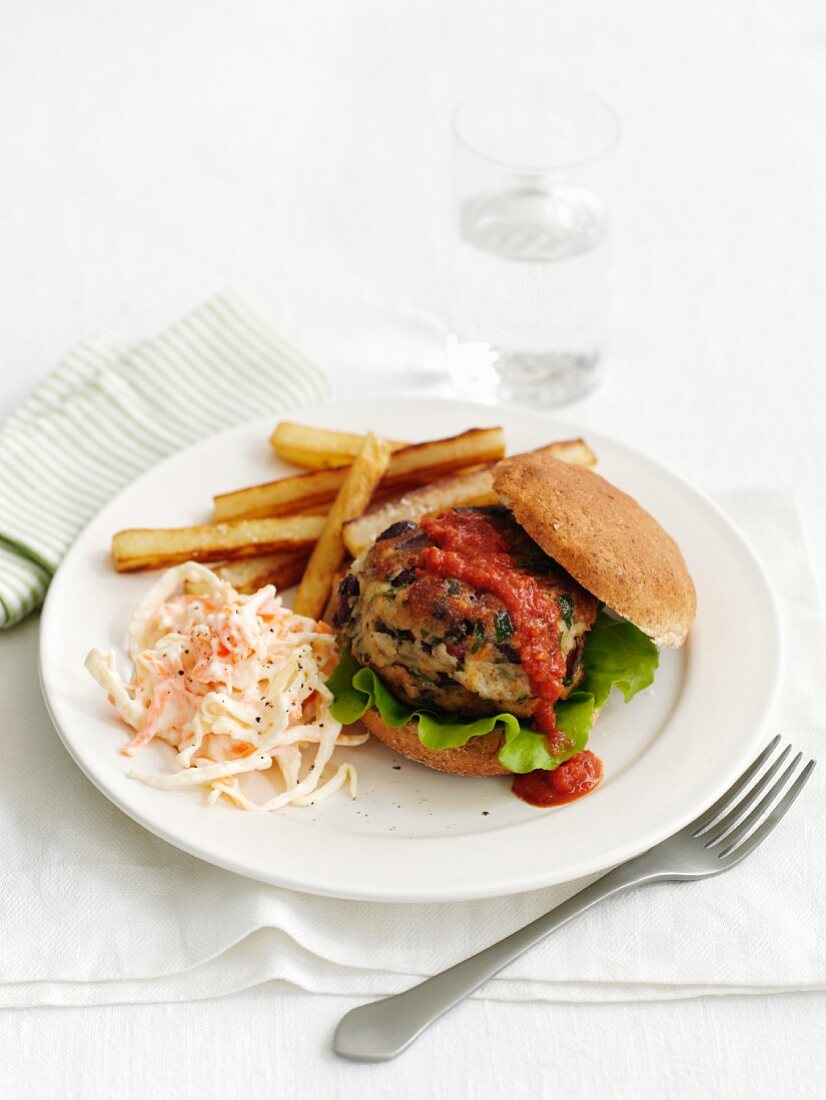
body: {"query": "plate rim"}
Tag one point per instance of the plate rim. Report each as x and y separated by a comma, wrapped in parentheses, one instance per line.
(376, 893)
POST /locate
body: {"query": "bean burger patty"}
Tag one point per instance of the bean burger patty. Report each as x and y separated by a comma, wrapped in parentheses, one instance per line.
(440, 642)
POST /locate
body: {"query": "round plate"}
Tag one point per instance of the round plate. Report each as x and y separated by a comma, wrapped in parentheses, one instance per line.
(414, 834)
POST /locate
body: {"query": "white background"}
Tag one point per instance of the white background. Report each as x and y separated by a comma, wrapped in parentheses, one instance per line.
(152, 153)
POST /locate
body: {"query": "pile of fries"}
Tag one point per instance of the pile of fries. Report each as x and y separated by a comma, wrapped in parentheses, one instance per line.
(301, 528)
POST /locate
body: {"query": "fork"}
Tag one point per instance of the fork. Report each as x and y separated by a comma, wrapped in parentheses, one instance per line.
(718, 839)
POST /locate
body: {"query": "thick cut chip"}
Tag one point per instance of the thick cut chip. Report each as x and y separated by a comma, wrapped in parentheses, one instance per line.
(359, 485)
(247, 575)
(291, 495)
(145, 548)
(314, 491)
(317, 448)
(575, 452)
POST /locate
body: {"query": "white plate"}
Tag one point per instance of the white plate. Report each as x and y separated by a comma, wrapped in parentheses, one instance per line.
(414, 834)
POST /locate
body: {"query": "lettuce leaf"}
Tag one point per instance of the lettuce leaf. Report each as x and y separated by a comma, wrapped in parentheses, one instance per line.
(527, 750)
(616, 652)
(349, 704)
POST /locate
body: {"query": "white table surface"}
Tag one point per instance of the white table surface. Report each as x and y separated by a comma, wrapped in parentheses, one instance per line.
(151, 153)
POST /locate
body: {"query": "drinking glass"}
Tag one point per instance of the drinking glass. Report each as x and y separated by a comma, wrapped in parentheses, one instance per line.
(528, 264)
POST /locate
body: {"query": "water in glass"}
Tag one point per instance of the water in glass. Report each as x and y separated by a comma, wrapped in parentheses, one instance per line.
(529, 286)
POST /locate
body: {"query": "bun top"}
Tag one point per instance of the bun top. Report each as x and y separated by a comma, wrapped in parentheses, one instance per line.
(605, 540)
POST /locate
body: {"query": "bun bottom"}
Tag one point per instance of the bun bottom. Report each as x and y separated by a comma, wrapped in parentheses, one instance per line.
(478, 757)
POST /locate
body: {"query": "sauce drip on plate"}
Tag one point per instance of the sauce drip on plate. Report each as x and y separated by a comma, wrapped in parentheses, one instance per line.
(570, 781)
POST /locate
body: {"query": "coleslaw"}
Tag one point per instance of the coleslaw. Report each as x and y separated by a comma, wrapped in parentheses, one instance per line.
(236, 684)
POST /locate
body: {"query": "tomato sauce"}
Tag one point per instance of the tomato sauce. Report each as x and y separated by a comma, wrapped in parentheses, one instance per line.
(571, 780)
(470, 547)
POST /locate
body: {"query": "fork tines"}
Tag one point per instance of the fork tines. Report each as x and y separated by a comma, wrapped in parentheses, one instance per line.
(729, 829)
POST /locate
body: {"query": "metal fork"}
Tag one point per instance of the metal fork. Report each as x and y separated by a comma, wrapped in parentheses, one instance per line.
(716, 841)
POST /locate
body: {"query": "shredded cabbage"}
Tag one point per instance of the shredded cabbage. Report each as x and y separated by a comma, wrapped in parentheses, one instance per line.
(235, 683)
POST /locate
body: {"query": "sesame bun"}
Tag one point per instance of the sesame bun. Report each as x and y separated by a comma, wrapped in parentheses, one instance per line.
(604, 539)
(478, 757)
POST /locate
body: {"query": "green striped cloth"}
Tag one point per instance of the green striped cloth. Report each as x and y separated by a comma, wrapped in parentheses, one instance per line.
(112, 409)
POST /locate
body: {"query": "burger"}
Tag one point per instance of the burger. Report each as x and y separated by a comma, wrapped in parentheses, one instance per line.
(484, 641)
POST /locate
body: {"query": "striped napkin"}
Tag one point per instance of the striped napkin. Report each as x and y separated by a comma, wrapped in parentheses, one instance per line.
(113, 408)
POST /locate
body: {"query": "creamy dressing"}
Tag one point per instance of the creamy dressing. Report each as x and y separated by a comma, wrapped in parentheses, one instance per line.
(234, 683)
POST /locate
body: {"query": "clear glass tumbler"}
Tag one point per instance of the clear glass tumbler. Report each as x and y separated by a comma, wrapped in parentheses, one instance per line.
(528, 263)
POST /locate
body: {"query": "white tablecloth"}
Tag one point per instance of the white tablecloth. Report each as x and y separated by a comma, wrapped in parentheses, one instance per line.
(152, 153)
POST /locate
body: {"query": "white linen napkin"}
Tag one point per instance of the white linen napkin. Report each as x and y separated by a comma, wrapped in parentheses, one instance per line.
(93, 909)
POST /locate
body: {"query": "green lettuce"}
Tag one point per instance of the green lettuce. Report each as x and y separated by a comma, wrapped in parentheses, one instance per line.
(616, 653)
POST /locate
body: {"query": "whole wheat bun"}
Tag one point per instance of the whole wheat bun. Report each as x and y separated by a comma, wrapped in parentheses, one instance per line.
(604, 539)
(478, 757)
(607, 542)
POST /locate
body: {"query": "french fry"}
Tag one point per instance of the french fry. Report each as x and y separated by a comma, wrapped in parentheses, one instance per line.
(140, 549)
(464, 491)
(287, 496)
(317, 448)
(449, 492)
(247, 575)
(359, 485)
(575, 452)
(308, 494)
(423, 462)
(412, 465)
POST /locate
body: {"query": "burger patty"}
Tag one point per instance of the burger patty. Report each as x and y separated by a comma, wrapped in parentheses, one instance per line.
(439, 642)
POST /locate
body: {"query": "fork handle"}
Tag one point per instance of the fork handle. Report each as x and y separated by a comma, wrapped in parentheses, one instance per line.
(378, 1031)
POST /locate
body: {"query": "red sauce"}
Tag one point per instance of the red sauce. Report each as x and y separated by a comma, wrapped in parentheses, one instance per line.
(470, 547)
(571, 780)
